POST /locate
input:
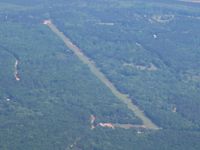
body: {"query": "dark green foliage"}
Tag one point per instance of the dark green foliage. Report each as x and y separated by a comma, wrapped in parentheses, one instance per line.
(126, 42)
(50, 107)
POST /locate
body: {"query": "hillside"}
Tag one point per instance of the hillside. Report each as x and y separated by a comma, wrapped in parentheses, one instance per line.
(100, 75)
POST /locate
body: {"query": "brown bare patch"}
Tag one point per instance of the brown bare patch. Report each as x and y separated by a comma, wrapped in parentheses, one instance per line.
(191, 1)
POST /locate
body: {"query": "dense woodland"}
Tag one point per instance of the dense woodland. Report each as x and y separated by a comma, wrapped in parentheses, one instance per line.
(152, 54)
(149, 50)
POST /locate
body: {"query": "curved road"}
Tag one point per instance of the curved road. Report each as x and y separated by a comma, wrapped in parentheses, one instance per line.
(16, 74)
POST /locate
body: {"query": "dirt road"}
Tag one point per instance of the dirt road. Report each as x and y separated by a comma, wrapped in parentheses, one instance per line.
(123, 97)
(16, 74)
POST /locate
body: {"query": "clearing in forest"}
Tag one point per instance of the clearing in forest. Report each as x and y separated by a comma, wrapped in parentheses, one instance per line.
(147, 123)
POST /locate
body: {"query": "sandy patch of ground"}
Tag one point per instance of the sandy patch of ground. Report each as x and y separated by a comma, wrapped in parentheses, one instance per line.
(106, 23)
(150, 67)
(190, 1)
(16, 74)
(162, 18)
